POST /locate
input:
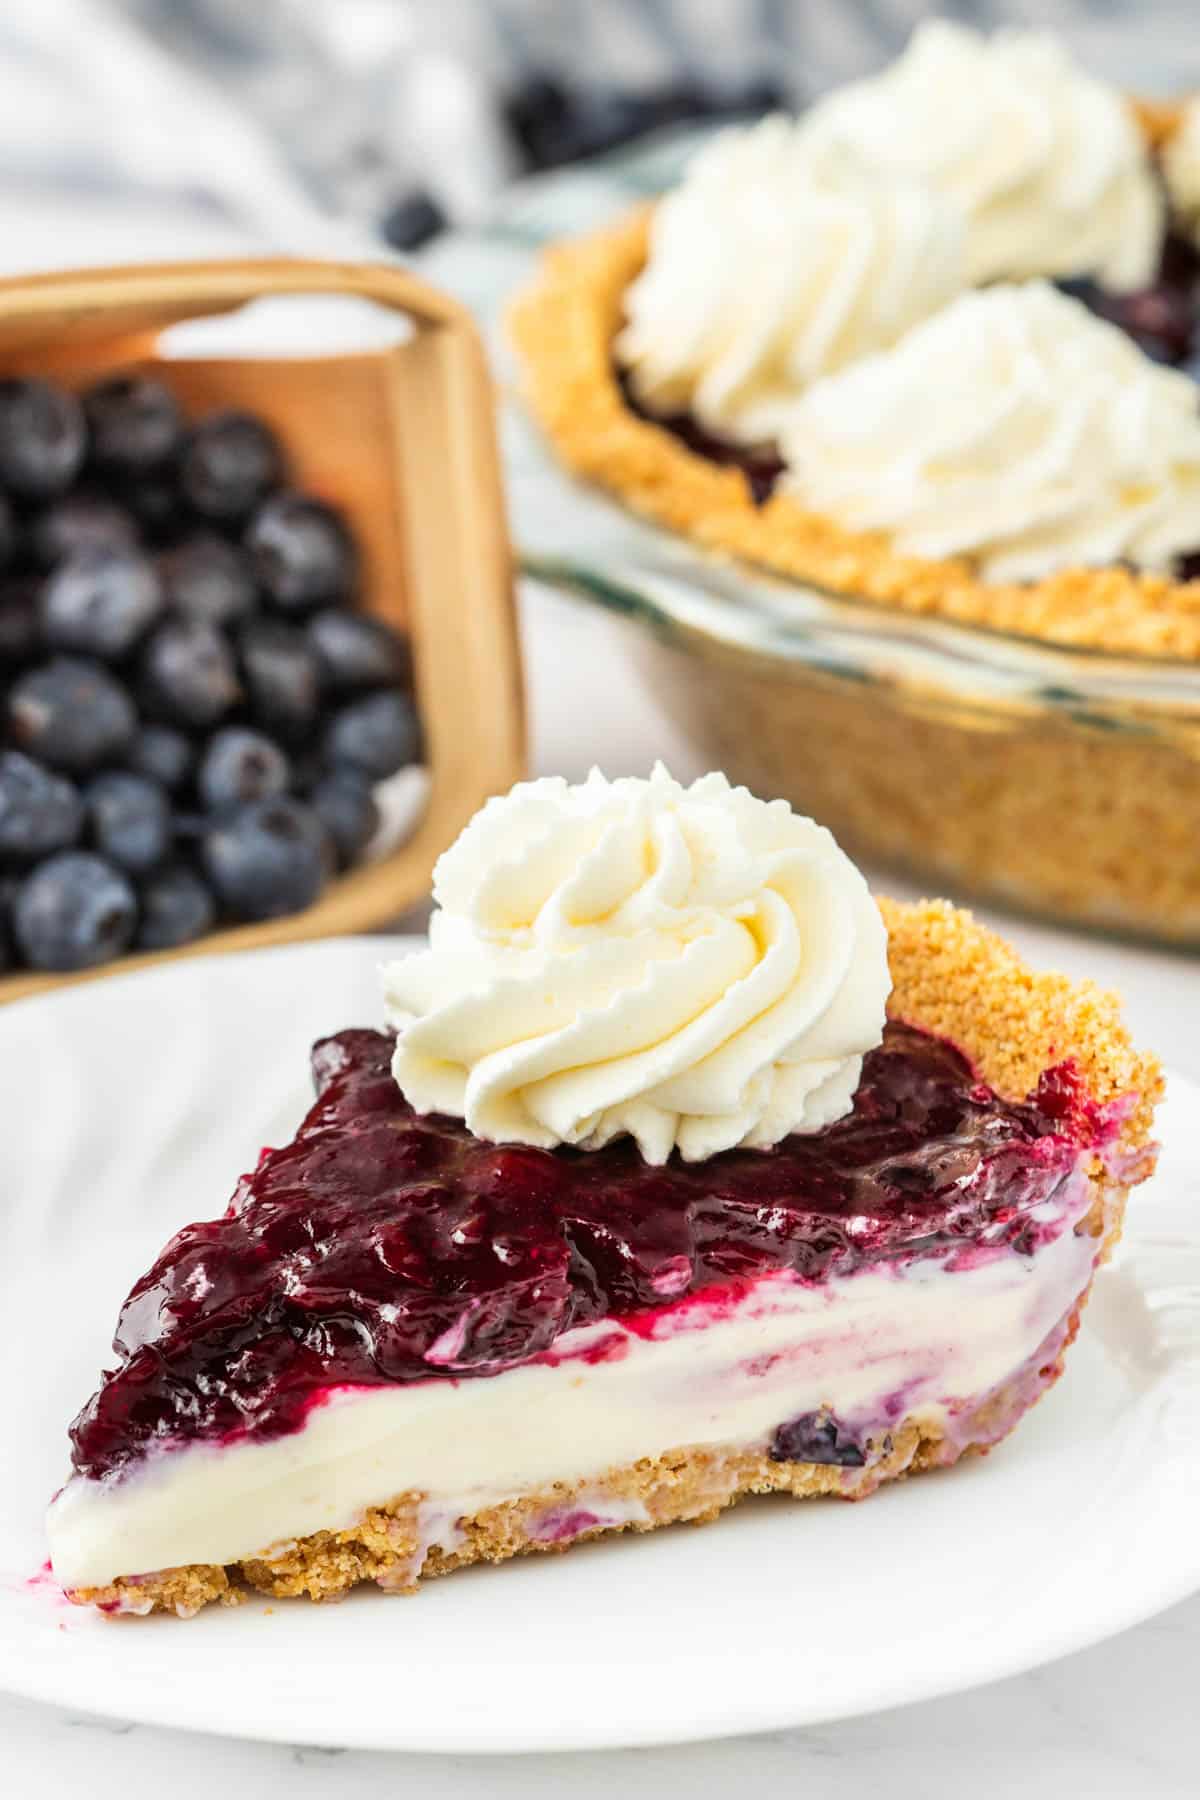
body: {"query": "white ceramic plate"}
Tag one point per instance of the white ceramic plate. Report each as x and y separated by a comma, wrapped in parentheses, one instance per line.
(131, 1105)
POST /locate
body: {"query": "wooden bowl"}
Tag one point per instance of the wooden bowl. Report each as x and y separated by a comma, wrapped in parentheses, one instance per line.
(402, 440)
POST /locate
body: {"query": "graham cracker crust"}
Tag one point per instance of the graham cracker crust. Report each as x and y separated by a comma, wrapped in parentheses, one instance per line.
(563, 327)
(694, 1486)
(955, 977)
(1029, 806)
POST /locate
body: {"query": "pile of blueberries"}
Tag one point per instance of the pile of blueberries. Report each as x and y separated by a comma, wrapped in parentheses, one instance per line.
(193, 718)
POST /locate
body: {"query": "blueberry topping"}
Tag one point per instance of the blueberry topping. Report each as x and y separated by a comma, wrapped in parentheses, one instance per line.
(817, 1438)
(71, 714)
(208, 580)
(355, 652)
(176, 908)
(269, 858)
(100, 602)
(43, 437)
(189, 674)
(40, 812)
(378, 1236)
(240, 765)
(135, 423)
(1162, 320)
(73, 912)
(377, 735)
(130, 820)
(345, 805)
(301, 551)
(231, 461)
(163, 755)
(80, 522)
(281, 675)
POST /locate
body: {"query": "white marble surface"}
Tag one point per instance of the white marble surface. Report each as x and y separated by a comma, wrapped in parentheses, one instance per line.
(1111, 1723)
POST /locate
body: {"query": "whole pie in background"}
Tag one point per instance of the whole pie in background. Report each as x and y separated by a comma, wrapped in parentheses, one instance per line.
(932, 344)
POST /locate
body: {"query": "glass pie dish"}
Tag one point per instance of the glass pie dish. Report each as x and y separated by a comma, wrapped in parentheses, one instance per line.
(1064, 781)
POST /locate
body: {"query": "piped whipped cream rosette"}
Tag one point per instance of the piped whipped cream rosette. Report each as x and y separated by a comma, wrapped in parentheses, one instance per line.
(688, 965)
(1046, 163)
(775, 262)
(793, 251)
(1015, 428)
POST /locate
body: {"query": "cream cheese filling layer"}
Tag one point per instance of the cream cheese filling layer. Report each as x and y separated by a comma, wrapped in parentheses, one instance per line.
(922, 1340)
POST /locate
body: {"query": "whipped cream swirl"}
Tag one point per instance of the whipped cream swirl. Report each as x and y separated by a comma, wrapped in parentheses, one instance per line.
(774, 262)
(688, 965)
(1014, 427)
(1047, 164)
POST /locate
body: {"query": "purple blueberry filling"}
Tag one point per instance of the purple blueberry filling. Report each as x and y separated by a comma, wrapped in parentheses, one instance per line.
(383, 1247)
(817, 1438)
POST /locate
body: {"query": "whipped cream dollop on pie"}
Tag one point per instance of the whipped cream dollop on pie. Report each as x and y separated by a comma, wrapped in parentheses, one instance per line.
(777, 261)
(690, 966)
(1013, 426)
(863, 298)
(1047, 163)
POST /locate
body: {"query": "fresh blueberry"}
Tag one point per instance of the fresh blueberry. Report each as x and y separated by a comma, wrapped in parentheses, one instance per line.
(189, 674)
(130, 819)
(345, 805)
(20, 630)
(71, 714)
(74, 911)
(155, 502)
(176, 908)
(231, 461)
(282, 677)
(269, 858)
(377, 735)
(163, 755)
(40, 812)
(356, 652)
(8, 893)
(135, 423)
(240, 765)
(43, 437)
(8, 532)
(302, 552)
(100, 602)
(816, 1438)
(78, 522)
(413, 220)
(208, 579)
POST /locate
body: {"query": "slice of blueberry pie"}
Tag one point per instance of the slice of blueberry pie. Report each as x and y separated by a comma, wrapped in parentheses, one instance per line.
(687, 1171)
(933, 344)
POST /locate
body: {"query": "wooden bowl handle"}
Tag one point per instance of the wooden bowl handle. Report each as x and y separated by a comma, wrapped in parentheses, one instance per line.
(188, 288)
